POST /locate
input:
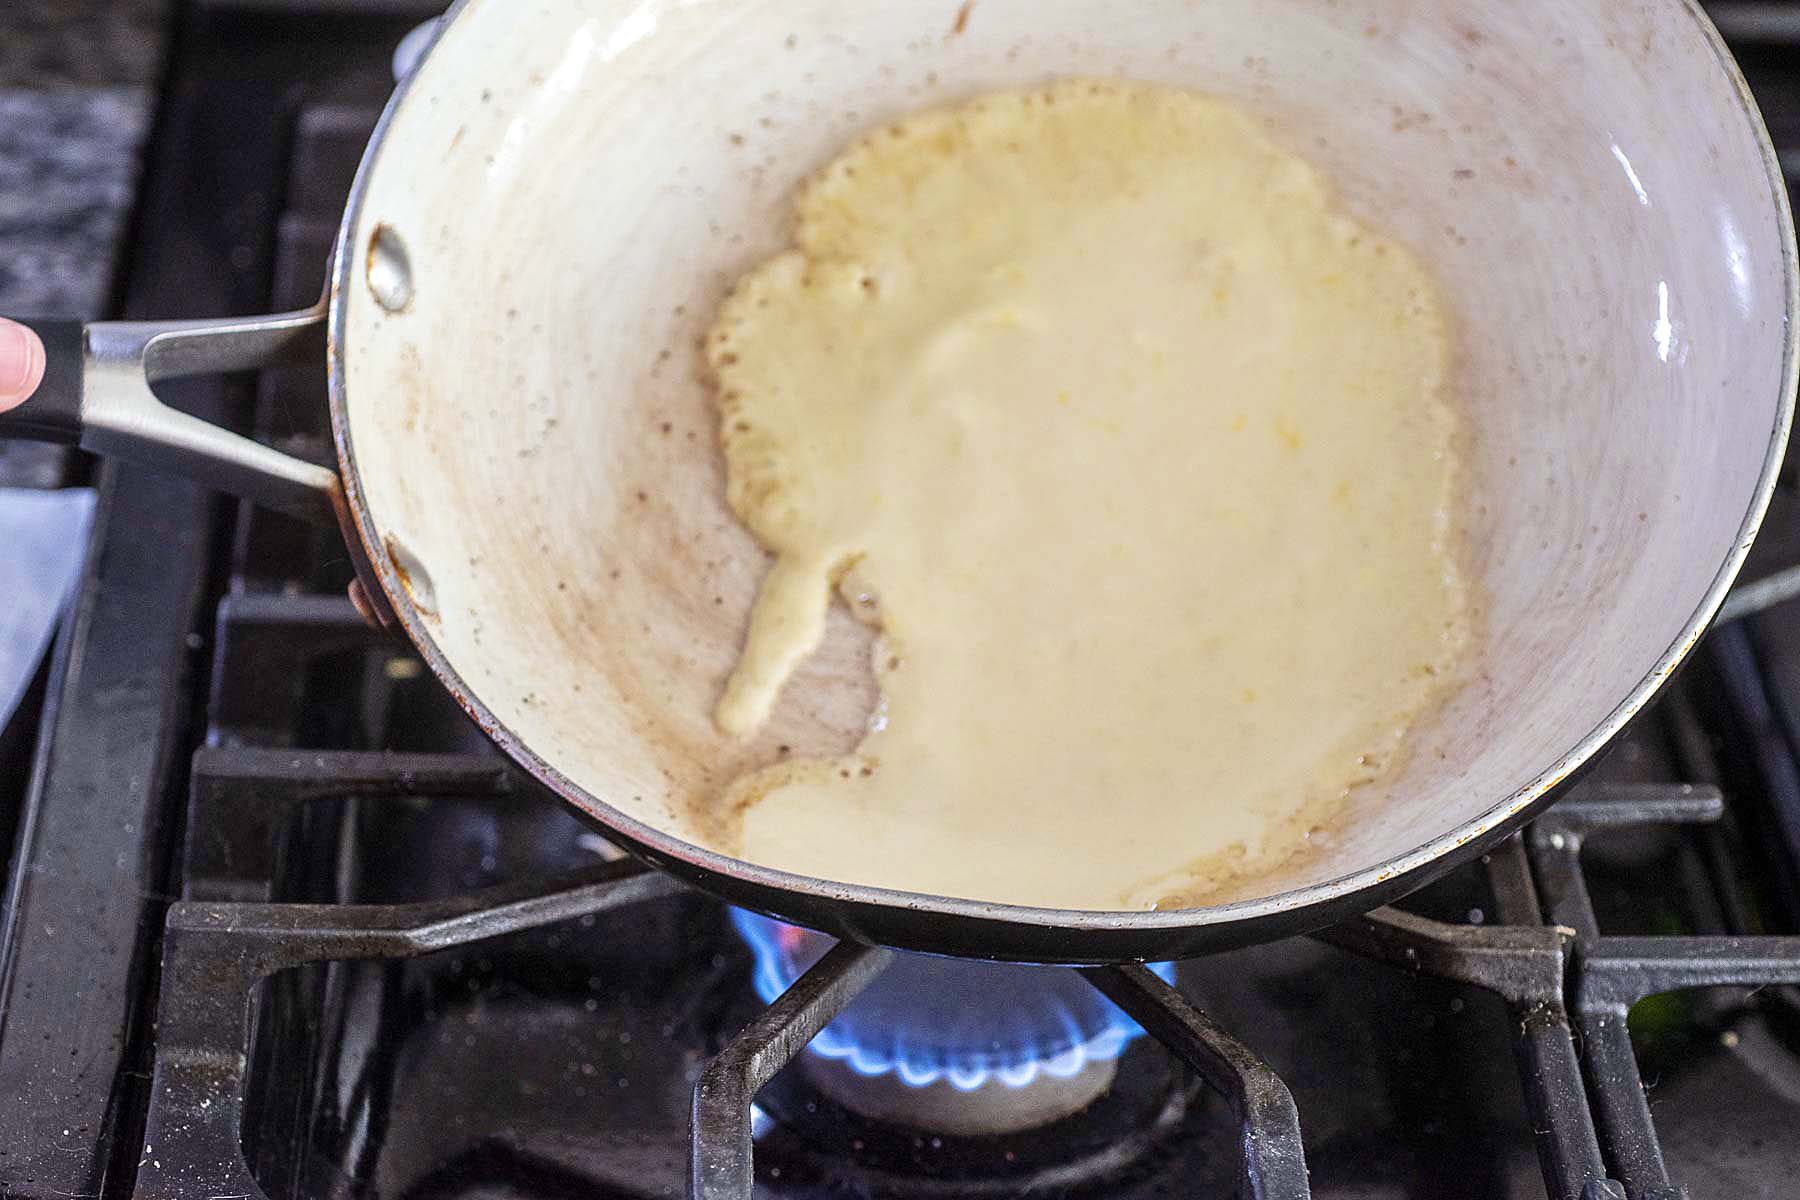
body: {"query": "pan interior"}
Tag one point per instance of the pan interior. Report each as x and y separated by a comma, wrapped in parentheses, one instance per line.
(573, 191)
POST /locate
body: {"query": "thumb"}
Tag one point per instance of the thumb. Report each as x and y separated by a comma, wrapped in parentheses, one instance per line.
(21, 363)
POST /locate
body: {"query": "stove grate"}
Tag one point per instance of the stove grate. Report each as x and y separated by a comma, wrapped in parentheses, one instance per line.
(215, 954)
(1545, 968)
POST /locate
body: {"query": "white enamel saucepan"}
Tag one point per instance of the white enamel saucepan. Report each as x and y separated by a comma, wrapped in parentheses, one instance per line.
(558, 196)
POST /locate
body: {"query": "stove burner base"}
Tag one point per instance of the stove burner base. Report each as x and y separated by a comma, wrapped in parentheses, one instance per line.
(1151, 1114)
(991, 1108)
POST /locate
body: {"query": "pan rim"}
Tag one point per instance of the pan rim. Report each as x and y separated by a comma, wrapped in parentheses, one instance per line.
(1286, 908)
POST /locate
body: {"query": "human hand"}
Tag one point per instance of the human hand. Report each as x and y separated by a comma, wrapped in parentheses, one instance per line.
(21, 363)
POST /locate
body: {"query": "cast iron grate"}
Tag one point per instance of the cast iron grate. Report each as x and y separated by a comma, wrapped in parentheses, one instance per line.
(1556, 972)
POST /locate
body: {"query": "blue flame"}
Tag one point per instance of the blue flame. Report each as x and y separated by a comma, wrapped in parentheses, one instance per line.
(928, 1018)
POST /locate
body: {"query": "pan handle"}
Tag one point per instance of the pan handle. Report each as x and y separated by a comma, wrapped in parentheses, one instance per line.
(96, 394)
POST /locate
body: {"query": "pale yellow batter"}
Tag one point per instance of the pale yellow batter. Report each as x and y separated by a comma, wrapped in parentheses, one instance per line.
(1136, 452)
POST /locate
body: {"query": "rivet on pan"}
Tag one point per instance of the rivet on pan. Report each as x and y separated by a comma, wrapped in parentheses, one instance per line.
(414, 578)
(389, 270)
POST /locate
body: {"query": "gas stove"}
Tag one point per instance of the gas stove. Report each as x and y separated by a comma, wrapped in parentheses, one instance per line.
(279, 922)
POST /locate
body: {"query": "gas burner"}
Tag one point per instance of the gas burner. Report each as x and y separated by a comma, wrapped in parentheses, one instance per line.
(941, 1044)
(1150, 1112)
(984, 1109)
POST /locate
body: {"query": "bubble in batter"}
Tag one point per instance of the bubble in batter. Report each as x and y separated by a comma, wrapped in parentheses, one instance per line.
(1135, 451)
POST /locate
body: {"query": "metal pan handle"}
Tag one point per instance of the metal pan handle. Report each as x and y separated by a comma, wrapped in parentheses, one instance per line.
(96, 394)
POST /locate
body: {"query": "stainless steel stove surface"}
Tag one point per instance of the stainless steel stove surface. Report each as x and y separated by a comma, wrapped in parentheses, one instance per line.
(279, 922)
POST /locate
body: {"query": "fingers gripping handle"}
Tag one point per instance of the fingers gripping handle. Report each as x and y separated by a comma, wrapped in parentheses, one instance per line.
(52, 413)
(96, 394)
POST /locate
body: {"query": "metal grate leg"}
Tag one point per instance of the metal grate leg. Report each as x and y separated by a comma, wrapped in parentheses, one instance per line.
(1274, 1160)
(720, 1162)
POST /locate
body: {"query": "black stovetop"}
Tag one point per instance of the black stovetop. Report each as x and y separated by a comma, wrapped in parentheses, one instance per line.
(280, 922)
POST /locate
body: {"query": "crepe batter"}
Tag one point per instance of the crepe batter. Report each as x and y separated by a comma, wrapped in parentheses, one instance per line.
(1136, 453)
